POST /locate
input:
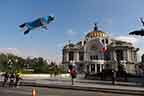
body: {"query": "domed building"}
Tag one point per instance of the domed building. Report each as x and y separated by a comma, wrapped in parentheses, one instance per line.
(98, 52)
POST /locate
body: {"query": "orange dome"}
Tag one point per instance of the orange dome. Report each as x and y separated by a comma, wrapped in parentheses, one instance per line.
(96, 33)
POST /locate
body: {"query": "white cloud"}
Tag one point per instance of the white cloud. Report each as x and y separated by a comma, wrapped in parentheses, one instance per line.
(25, 52)
(45, 53)
(130, 39)
(70, 32)
(10, 50)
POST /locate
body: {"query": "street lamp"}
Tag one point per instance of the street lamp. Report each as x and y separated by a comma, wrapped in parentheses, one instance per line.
(15, 63)
(10, 63)
(16, 60)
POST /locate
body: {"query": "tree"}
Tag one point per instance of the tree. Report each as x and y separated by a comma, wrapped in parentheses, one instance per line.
(40, 65)
(3, 62)
(12, 63)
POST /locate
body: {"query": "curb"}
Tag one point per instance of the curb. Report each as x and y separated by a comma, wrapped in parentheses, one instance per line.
(84, 88)
(102, 83)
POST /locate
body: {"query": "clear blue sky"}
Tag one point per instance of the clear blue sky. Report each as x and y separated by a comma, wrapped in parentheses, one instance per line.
(73, 19)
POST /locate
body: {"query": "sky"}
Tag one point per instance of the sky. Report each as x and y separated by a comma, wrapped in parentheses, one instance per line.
(74, 19)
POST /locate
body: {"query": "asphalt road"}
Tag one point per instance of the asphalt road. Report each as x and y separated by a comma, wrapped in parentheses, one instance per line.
(27, 91)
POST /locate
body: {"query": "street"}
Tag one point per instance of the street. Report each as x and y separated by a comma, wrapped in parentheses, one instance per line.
(27, 91)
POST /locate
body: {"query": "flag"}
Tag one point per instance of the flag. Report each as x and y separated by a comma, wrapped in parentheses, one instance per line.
(102, 46)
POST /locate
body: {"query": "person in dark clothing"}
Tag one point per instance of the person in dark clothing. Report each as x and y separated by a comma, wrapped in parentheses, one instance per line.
(113, 77)
(6, 76)
(12, 78)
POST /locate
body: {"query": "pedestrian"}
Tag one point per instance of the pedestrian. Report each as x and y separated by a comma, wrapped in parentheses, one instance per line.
(12, 78)
(17, 78)
(6, 76)
(113, 77)
(73, 75)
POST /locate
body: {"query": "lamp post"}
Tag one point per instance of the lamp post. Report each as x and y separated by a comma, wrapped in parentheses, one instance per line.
(16, 60)
(10, 63)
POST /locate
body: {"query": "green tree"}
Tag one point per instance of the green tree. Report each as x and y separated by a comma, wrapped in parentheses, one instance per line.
(40, 65)
(3, 62)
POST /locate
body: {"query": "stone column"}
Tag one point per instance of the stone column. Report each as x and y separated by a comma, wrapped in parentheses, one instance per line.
(76, 56)
(67, 56)
(130, 54)
(125, 54)
(101, 67)
(87, 70)
(135, 56)
(114, 60)
(86, 56)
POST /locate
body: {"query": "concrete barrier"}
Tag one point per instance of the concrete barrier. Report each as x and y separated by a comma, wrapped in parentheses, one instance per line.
(44, 76)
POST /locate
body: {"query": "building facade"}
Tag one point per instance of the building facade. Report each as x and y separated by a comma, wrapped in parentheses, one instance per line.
(142, 58)
(97, 52)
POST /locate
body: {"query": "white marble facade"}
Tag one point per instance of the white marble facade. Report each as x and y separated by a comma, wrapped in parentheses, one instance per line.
(88, 57)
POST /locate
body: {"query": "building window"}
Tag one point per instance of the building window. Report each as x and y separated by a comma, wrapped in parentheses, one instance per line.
(98, 67)
(81, 56)
(88, 68)
(92, 67)
(84, 42)
(103, 41)
(107, 41)
(107, 56)
(94, 57)
(71, 56)
(119, 54)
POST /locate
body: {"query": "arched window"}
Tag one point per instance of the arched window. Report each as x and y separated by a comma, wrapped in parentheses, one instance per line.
(71, 56)
(107, 41)
(95, 57)
(81, 56)
(119, 54)
(103, 41)
(92, 67)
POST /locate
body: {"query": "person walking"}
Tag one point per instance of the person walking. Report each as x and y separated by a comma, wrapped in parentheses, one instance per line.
(12, 78)
(17, 78)
(6, 76)
(113, 77)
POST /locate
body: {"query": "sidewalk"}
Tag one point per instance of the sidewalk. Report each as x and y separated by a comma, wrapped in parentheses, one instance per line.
(64, 82)
(84, 86)
(66, 78)
(134, 84)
